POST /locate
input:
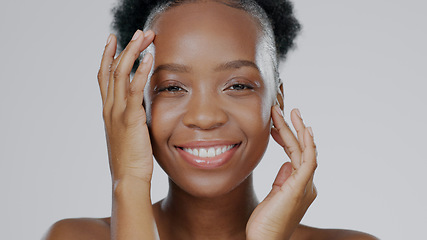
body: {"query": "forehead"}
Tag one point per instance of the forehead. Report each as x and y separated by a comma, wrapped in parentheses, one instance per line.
(205, 32)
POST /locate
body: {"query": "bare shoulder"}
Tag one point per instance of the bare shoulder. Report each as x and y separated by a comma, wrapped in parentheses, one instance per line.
(306, 232)
(79, 228)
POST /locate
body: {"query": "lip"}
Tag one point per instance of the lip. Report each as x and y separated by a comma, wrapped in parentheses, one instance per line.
(207, 162)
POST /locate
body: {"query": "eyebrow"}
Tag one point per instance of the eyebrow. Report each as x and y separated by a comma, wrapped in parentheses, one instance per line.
(236, 64)
(173, 67)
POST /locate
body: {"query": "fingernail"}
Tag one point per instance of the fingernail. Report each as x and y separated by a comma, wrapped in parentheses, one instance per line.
(278, 110)
(109, 38)
(136, 35)
(148, 33)
(310, 131)
(298, 112)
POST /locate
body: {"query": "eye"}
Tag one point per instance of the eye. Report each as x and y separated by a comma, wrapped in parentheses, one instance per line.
(240, 86)
(171, 89)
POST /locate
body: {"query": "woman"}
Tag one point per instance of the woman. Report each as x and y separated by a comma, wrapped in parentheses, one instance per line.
(211, 96)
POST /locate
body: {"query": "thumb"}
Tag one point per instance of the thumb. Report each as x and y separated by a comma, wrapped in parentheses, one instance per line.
(284, 173)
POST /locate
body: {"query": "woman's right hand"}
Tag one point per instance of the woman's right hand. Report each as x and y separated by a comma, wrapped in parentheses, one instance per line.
(128, 139)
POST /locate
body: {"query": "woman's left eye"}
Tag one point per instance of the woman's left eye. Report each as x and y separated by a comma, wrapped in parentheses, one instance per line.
(171, 89)
(240, 86)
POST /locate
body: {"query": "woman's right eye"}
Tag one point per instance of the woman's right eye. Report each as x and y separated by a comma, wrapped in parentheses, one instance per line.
(171, 89)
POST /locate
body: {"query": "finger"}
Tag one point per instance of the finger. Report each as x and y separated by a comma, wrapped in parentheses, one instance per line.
(123, 70)
(310, 189)
(122, 73)
(283, 174)
(106, 61)
(136, 88)
(309, 163)
(276, 136)
(289, 140)
(309, 145)
(299, 126)
(110, 88)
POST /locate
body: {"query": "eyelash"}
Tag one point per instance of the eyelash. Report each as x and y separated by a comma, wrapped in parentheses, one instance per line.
(171, 88)
(241, 86)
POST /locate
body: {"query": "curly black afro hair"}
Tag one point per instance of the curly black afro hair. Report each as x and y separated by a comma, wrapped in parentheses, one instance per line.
(130, 15)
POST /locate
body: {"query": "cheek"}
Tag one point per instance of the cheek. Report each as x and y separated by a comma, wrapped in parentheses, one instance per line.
(257, 123)
(254, 114)
(164, 117)
(254, 120)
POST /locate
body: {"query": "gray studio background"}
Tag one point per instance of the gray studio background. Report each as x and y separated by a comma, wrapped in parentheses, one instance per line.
(358, 77)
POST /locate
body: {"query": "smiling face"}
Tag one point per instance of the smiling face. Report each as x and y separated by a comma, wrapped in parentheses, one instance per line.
(208, 105)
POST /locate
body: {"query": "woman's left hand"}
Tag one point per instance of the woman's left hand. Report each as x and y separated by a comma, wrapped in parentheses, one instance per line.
(293, 191)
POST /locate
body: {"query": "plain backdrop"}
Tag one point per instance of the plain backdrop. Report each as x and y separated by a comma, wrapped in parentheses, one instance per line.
(358, 76)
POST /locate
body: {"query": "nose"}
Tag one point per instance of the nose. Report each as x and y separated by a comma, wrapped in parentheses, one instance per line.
(205, 112)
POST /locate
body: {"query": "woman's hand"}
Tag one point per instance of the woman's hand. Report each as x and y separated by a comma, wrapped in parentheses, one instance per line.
(293, 191)
(128, 140)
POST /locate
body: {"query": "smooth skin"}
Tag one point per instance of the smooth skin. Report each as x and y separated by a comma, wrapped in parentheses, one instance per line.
(190, 98)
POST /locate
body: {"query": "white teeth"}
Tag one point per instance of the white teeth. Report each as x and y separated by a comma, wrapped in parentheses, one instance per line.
(210, 152)
(203, 152)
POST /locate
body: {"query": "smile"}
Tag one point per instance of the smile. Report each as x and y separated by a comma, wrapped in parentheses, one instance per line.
(209, 152)
(207, 155)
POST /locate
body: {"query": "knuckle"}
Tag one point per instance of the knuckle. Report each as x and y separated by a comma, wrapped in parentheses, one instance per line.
(117, 73)
(314, 194)
(103, 76)
(133, 90)
(113, 66)
(314, 165)
(294, 149)
(100, 76)
(312, 198)
(314, 145)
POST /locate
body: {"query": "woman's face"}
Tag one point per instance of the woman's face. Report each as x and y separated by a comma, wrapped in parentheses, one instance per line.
(208, 107)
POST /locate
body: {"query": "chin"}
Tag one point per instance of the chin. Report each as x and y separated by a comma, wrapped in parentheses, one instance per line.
(208, 186)
(211, 183)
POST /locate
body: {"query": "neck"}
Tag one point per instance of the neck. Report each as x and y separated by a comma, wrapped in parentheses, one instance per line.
(184, 216)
